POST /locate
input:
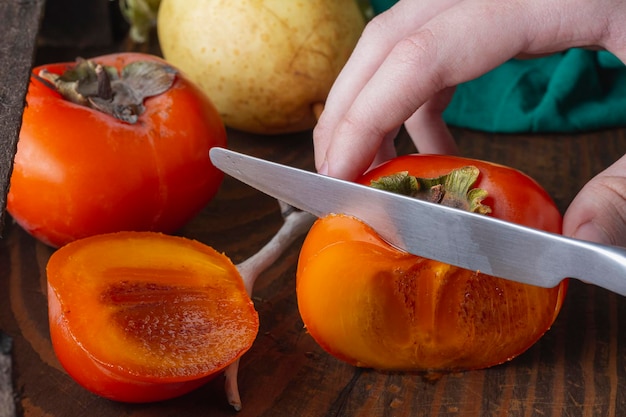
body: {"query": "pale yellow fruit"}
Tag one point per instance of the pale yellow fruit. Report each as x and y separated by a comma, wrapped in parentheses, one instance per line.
(263, 63)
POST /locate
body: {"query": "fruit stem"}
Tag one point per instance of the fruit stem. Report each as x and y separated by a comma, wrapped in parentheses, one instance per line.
(454, 189)
(231, 385)
(105, 91)
(296, 223)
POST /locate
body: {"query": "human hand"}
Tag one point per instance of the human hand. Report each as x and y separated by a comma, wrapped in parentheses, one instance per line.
(410, 57)
(598, 213)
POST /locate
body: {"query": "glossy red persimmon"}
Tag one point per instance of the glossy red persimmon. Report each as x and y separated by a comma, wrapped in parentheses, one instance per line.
(80, 171)
(373, 305)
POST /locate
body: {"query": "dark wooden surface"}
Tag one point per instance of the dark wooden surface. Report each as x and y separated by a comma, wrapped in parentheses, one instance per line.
(18, 32)
(577, 369)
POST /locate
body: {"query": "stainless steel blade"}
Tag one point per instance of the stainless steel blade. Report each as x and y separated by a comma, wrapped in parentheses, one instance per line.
(433, 231)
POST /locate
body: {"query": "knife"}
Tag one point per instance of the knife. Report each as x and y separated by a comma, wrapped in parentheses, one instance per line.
(453, 236)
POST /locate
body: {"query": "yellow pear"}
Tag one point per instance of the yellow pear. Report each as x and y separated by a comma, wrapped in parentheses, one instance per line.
(264, 63)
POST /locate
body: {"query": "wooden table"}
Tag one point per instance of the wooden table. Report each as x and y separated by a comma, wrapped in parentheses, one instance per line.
(577, 369)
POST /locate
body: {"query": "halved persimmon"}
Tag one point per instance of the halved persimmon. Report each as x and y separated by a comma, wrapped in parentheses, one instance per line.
(143, 316)
(373, 305)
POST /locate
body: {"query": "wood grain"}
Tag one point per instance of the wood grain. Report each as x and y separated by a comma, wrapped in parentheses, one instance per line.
(18, 33)
(577, 369)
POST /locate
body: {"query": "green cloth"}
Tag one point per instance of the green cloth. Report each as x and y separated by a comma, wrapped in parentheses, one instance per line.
(380, 6)
(577, 90)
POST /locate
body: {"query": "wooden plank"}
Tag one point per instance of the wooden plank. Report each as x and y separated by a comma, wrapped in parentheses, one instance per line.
(577, 369)
(7, 396)
(18, 34)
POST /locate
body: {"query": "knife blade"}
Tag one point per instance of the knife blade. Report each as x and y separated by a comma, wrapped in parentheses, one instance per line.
(453, 236)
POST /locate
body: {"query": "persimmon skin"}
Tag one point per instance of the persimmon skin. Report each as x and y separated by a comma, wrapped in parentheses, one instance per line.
(375, 306)
(79, 172)
(142, 317)
(97, 378)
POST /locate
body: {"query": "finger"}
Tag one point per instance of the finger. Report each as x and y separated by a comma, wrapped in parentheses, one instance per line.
(427, 129)
(463, 42)
(598, 213)
(372, 49)
(438, 55)
(387, 149)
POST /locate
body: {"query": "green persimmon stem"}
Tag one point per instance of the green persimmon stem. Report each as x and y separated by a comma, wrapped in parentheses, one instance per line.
(453, 189)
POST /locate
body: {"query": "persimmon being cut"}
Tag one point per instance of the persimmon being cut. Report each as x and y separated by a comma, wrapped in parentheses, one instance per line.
(376, 306)
(142, 316)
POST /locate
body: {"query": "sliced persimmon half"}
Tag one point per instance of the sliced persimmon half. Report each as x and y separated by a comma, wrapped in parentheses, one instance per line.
(143, 316)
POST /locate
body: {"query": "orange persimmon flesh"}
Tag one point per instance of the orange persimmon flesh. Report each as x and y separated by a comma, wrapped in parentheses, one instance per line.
(142, 316)
(390, 310)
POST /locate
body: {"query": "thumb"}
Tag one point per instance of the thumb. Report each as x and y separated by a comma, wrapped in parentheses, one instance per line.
(598, 213)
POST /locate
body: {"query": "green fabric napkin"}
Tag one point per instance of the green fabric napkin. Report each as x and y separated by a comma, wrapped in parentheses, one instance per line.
(576, 90)
(380, 6)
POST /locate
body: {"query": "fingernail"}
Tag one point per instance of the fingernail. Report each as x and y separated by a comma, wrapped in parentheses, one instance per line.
(323, 168)
(591, 232)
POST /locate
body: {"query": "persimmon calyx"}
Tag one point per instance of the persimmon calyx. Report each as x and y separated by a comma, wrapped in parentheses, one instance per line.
(453, 189)
(119, 94)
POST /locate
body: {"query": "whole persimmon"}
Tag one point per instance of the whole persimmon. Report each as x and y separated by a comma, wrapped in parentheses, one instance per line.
(116, 142)
(143, 316)
(373, 305)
